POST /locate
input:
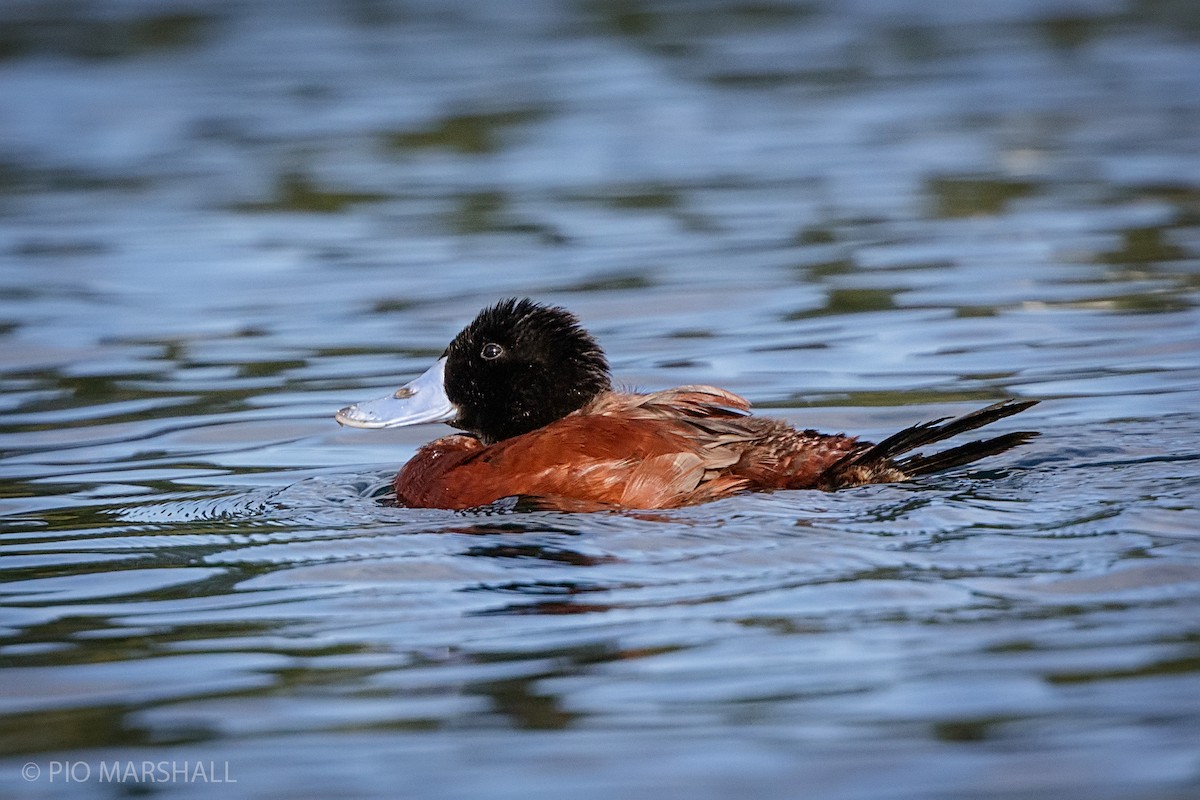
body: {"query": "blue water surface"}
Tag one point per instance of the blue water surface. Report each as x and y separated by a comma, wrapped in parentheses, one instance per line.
(221, 222)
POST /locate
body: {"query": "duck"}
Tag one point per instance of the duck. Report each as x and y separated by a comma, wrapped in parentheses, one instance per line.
(542, 424)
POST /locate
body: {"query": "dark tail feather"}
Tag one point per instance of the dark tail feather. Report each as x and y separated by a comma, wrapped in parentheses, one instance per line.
(878, 462)
(963, 454)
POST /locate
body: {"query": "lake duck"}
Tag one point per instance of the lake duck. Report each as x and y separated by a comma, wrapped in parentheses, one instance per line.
(544, 427)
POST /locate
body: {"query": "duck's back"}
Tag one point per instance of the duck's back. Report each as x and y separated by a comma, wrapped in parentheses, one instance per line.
(661, 450)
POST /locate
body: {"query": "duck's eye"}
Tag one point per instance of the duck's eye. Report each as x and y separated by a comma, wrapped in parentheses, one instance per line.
(492, 351)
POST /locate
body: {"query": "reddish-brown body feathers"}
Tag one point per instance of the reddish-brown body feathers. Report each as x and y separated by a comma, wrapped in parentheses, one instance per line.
(661, 450)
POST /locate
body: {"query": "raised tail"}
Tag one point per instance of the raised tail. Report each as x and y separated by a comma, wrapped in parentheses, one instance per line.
(879, 463)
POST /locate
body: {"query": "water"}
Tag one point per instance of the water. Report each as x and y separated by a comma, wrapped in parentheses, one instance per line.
(219, 223)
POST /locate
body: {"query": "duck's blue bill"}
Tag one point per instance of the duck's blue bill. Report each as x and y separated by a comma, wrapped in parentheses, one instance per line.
(421, 400)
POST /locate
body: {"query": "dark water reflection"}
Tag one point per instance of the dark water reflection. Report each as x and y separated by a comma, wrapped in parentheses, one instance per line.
(219, 223)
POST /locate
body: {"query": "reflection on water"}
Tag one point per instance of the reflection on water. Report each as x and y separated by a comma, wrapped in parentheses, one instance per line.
(218, 225)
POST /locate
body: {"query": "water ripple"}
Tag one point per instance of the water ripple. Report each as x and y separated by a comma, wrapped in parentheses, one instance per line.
(218, 228)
